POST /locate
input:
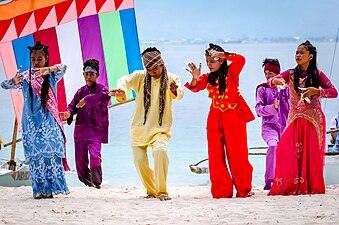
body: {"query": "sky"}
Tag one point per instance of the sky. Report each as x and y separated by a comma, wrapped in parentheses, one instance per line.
(225, 19)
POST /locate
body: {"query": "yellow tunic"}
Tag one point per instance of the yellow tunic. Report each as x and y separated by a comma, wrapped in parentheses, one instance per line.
(141, 135)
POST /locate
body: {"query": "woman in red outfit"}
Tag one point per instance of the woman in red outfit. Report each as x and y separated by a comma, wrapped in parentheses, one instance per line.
(226, 122)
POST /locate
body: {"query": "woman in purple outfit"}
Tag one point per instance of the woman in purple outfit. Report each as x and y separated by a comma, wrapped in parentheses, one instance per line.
(91, 126)
(272, 105)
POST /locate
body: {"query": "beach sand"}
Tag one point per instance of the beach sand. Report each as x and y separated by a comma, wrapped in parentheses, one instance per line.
(189, 205)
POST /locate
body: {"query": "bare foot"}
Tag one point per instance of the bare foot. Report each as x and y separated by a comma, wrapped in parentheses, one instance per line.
(164, 198)
(90, 185)
(150, 196)
(251, 193)
(98, 186)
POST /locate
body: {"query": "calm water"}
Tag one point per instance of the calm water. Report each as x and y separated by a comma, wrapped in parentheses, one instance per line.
(188, 144)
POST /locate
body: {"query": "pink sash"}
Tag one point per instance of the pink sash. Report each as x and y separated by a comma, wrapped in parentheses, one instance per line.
(51, 103)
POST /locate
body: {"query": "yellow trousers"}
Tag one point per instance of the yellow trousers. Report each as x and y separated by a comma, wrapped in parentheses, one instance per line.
(154, 182)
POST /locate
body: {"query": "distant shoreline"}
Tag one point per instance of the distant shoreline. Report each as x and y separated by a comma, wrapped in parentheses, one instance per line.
(278, 40)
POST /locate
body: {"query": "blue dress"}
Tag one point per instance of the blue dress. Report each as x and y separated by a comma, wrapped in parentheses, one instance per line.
(43, 140)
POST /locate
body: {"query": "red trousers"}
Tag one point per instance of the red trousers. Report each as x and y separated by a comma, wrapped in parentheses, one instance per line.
(227, 139)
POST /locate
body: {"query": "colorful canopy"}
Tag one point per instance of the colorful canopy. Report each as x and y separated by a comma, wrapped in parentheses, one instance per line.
(74, 30)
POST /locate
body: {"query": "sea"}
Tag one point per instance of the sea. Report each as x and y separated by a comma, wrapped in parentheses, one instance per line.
(188, 144)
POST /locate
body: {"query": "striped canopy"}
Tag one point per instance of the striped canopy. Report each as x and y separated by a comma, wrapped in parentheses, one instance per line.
(74, 30)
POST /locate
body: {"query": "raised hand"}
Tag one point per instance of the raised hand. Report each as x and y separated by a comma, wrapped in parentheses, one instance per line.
(116, 93)
(194, 70)
(278, 81)
(173, 87)
(216, 55)
(309, 91)
(42, 71)
(17, 78)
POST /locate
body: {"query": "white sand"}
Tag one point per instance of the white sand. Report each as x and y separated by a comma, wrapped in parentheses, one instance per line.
(189, 205)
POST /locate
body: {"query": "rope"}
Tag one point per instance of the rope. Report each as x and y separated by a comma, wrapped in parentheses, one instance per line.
(110, 106)
(335, 49)
(263, 153)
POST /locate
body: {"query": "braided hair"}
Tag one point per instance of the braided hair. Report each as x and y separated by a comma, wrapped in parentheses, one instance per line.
(45, 85)
(312, 78)
(221, 74)
(148, 82)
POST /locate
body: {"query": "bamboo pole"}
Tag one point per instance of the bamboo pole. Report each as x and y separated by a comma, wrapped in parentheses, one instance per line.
(12, 162)
(121, 103)
(10, 143)
(110, 106)
(332, 131)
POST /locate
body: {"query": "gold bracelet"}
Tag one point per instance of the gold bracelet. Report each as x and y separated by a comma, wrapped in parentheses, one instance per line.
(49, 70)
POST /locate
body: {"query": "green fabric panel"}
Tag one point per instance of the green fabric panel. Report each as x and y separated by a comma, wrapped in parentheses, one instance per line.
(114, 48)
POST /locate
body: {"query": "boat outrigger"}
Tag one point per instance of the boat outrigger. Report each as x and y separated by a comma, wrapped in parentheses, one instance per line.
(330, 171)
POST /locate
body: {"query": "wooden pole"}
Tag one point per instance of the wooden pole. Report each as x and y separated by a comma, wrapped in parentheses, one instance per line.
(110, 106)
(332, 131)
(10, 143)
(117, 104)
(12, 162)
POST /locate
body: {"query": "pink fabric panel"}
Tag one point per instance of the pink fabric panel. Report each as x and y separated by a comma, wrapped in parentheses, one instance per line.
(10, 68)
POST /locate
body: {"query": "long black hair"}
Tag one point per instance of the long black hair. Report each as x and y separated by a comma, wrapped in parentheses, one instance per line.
(221, 73)
(45, 85)
(312, 78)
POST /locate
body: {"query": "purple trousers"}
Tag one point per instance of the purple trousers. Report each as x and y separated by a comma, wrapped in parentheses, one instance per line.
(92, 175)
(270, 163)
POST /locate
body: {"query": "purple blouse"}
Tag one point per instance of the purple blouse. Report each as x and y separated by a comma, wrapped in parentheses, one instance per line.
(272, 118)
(92, 120)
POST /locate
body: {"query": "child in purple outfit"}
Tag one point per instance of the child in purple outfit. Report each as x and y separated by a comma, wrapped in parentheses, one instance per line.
(273, 106)
(91, 126)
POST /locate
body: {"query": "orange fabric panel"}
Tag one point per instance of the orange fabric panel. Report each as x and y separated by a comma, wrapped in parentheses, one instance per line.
(18, 7)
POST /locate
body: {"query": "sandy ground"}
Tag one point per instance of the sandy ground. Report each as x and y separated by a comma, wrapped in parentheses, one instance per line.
(189, 205)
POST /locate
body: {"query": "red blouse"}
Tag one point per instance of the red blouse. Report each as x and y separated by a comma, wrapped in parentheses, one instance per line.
(231, 97)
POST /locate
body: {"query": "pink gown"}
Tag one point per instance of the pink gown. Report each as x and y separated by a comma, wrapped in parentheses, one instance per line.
(300, 152)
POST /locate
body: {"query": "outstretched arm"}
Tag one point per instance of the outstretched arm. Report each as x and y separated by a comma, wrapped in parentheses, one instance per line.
(13, 83)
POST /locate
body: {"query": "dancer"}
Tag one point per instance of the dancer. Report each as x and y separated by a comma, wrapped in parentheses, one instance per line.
(272, 105)
(91, 126)
(300, 152)
(226, 122)
(42, 130)
(152, 118)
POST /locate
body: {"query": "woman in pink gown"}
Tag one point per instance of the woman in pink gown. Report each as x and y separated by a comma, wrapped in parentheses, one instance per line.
(300, 152)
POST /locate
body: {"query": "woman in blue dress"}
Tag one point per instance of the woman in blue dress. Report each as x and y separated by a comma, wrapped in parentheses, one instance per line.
(42, 130)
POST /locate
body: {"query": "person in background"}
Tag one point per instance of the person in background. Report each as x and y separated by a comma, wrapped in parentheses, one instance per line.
(301, 149)
(272, 105)
(155, 89)
(226, 122)
(334, 125)
(91, 126)
(42, 130)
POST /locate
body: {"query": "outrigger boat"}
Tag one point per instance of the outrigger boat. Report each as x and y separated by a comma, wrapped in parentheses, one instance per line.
(331, 163)
(14, 172)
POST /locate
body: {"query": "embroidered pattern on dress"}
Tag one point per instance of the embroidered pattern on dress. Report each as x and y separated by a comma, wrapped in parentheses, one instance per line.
(309, 111)
(278, 181)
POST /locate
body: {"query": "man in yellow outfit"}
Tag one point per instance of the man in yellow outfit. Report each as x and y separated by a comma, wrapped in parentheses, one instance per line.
(152, 118)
